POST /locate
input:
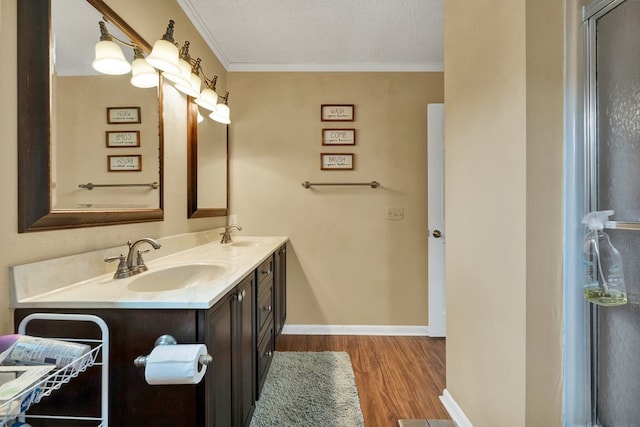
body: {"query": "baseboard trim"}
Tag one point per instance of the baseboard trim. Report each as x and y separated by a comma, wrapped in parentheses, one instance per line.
(454, 410)
(355, 330)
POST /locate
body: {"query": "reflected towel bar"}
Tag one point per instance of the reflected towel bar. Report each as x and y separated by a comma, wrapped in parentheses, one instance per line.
(91, 186)
(372, 184)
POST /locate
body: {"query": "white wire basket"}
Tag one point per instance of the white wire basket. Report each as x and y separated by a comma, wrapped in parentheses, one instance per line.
(11, 409)
(15, 408)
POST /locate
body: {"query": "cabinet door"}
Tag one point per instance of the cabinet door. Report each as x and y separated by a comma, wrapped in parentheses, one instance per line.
(132, 402)
(280, 289)
(218, 381)
(245, 374)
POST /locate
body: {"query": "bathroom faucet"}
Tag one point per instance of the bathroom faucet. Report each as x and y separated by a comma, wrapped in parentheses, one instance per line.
(134, 257)
(132, 263)
(226, 236)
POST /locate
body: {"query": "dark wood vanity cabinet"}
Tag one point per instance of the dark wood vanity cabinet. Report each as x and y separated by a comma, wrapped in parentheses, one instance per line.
(230, 336)
(239, 330)
(265, 343)
(280, 288)
(272, 294)
(132, 402)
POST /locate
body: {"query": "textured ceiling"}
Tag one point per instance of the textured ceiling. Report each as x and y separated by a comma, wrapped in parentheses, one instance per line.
(322, 35)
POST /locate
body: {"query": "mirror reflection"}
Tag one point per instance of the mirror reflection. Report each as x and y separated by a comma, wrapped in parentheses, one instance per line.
(99, 162)
(207, 165)
(36, 132)
(212, 164)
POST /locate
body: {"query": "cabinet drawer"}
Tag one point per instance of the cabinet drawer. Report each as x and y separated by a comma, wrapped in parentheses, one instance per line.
(265, 270)
(265, 309)
(265, 355)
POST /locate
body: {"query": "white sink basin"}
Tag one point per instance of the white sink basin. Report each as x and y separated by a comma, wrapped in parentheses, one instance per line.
(177, 277)
(252, 242)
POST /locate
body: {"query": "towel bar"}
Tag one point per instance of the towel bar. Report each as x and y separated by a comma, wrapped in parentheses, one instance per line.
(372, 184)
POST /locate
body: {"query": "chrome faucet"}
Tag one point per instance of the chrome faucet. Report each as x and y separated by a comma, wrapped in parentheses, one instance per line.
(135, 263)
(132, 263)
(226, 236)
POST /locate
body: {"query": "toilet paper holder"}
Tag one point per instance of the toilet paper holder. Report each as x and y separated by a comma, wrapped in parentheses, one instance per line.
(141, 361)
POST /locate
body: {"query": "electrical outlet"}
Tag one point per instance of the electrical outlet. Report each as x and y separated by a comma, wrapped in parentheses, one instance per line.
(394, 213)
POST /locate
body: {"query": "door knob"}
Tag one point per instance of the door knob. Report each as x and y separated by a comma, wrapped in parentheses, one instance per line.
(437, 234)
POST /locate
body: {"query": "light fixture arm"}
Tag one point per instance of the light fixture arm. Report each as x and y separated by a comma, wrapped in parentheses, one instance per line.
(184, 52)
(105, 35)
(197, 67)
(210, 83)
(168, 35)
(137, 52)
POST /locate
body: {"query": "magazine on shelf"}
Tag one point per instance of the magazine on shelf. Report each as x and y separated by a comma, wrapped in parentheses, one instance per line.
(15, 380)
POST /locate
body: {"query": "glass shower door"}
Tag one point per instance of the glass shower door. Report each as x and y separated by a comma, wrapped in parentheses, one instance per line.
(613, 181)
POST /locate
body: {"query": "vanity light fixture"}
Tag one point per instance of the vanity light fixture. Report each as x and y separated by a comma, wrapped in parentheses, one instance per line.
(143, 75)
(208, 97)
(193, 87)
(222, 113)
(176, 64)
(109, 58)
(184, 76)
(164, 55)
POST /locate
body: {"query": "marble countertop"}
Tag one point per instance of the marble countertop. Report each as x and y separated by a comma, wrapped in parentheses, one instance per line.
(103, 291)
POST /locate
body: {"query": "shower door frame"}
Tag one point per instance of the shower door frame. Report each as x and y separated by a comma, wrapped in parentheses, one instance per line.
(590, 15)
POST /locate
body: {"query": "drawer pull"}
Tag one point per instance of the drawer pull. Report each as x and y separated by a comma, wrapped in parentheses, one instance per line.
(269, 353)
(267, 308)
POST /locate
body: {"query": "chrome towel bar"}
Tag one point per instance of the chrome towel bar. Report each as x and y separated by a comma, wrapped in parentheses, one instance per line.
(372, 184)
(91, 186)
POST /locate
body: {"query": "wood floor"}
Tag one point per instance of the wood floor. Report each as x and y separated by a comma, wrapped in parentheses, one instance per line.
(397, 377)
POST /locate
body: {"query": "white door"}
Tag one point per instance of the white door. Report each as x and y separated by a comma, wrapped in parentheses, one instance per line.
(435, 220)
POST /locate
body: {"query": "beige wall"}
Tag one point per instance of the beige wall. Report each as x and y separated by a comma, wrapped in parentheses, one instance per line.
(348, 265)
(545, 196)
(81, 151)
(22, 248)
(503, 96)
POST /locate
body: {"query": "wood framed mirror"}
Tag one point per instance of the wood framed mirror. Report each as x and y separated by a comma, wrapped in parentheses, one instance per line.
(207, 165)
(36, 210)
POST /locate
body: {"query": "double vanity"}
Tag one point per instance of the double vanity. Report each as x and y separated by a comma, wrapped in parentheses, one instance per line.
(231, 297)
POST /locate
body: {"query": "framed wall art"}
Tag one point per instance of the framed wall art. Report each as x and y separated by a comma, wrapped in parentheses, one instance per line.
(338, 137)
(336, 161)
(127, 138)
(337, 112)
(119, 115)
(127, 163)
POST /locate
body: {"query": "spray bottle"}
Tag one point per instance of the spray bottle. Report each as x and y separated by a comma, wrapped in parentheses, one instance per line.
(604, 275)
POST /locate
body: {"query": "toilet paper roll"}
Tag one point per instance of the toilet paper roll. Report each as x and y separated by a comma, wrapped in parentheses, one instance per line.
(175, 364)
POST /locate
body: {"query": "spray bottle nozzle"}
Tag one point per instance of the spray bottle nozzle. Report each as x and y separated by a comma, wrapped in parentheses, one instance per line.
(595, 220)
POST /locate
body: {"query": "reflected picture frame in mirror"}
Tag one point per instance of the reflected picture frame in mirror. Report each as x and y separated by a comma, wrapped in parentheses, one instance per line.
(35, 212)
(196, 208)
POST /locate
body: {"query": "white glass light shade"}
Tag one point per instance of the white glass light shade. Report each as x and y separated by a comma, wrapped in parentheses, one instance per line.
(192, 89)
(143, 75)
(110, 59)
(221, 114)
(200, 118)
(208, 99)
(164, 56)
(183, 77)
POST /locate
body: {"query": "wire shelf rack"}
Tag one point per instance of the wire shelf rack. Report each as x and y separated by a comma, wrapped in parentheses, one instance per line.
(15, 408)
